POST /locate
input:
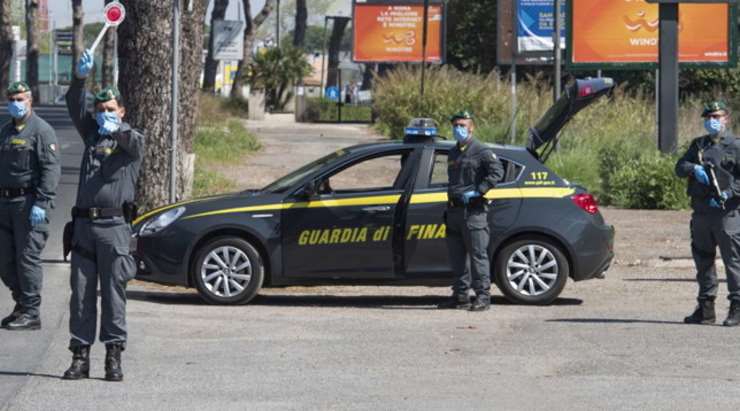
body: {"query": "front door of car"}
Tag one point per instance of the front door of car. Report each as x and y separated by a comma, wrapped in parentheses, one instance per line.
(426, 247)
(345, 229)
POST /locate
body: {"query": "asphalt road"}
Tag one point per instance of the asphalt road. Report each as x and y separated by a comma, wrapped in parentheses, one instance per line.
(606, 344)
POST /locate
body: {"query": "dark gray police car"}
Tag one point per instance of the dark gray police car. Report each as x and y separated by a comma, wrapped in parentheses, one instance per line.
(373, 214)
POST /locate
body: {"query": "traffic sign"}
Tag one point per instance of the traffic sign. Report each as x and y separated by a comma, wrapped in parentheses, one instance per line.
(332, 93)
(228, 40)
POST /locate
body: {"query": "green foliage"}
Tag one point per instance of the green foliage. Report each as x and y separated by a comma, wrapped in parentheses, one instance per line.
(609, 147)
(648, 182)
(471, 35)
(318, 109)
(276, 70)
(220, 139)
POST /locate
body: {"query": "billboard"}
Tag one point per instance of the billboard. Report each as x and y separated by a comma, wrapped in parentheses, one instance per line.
(392, 31)
(535, 25)
(625, 32)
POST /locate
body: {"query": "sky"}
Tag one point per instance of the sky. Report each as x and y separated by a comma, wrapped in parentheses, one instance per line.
(62, 9)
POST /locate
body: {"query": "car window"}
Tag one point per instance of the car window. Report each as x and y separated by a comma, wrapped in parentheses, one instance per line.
(439, 170)
(374, 174)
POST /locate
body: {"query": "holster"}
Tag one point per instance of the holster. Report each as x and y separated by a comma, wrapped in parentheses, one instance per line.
(67, 238)
(130, 211)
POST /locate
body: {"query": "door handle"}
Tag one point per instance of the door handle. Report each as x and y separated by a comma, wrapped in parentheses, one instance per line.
(376, 209)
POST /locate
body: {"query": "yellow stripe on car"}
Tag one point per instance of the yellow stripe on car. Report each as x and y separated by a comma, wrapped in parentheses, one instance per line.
(423, 198)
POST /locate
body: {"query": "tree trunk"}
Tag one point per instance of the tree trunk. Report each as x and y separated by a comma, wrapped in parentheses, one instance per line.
(209, 74)
(335, 42)
(250, 32)
(78, 35)
(109, 55)
(6, 42)
(32, 46)
(301, 23)
(145, 60)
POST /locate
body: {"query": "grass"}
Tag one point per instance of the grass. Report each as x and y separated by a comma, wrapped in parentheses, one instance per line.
(221, 139)
(325, 110)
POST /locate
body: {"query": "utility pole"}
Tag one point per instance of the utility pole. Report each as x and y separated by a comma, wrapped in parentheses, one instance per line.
(425, 29)
(556, 49)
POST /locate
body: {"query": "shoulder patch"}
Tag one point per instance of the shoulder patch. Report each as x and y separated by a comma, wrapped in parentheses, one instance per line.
(53, 147)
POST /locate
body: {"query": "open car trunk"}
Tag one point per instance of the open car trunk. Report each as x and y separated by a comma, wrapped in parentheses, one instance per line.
(543, 137)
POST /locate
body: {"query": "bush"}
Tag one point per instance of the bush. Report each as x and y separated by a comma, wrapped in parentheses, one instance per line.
(319, 109)
(597, 150)
(648, 182)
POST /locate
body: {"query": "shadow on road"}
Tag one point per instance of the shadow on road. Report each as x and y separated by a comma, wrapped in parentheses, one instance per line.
(390, 302)
(611, 321)
(667, 280)
(28, 374)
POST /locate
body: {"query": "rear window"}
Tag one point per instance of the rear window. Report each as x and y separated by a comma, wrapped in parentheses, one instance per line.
(439, 170)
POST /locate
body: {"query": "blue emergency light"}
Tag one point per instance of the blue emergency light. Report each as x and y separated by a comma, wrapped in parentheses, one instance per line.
(420, 129)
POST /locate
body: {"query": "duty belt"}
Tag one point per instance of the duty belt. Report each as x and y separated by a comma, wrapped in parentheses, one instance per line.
(14, 192)
(96, 213)
(476, 202)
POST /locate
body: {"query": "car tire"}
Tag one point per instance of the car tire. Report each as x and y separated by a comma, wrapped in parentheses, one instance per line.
(534, 284)
(228, 271)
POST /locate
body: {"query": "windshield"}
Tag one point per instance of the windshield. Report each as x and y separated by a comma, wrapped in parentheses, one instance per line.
(287, 182)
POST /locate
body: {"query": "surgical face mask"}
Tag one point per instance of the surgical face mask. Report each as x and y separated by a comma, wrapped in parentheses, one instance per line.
(17, 109)
(460, 133)
(106, 117)
(713, 125)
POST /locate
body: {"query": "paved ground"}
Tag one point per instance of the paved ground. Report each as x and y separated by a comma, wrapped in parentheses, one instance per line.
(606, 344)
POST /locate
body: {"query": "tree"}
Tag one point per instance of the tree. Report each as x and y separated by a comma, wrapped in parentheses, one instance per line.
(209, 73)
(78, 33)
(335, 41)
(6, 41)
(109, 55)
(301, 23)
(145, 79)
(250, 32)
(32, 46)
(276, 70)
(471, 35)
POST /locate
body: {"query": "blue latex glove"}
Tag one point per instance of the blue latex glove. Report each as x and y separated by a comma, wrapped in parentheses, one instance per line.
(469, 195)
(85, 65)
(715, 204)
(701, 175)
(109, 123)
(38, 215)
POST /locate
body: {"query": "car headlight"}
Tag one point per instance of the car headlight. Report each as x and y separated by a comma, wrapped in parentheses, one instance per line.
(161, 221)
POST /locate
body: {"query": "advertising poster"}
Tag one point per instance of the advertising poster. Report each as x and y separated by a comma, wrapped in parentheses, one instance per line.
(535, 25)
(394, 32)
(626, 31)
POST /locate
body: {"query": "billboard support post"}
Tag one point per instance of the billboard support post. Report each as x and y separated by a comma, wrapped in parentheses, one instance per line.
(668, 82)
(424, 48)
(556, 49)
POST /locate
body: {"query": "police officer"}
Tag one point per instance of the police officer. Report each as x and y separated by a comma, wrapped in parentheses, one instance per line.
(102, 233)
(29, 174)
(714, 159)
(472, 170)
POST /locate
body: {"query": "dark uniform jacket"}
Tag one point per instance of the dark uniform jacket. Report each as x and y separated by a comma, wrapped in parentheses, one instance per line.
(110, 164)
(29, 158)
(472, 167)
(724, 154)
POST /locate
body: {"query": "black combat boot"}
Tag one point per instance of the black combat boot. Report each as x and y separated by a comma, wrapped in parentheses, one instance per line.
(733, 317)
(481, 303)
(704, 313)
(12, 317)
(24, 322)
(80, 367)
(457, 301)
(113, 371)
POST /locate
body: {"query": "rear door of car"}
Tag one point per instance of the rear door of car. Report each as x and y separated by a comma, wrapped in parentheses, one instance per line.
(346, 230)
(425, 248)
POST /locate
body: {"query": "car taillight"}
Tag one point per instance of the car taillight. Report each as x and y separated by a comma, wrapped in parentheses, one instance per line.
(587, 202)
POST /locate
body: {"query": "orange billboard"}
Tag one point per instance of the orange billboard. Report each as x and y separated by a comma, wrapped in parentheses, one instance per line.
(626, 31)
(386, 31)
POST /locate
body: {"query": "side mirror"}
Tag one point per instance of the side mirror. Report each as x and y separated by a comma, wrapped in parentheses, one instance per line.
(308, 190)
